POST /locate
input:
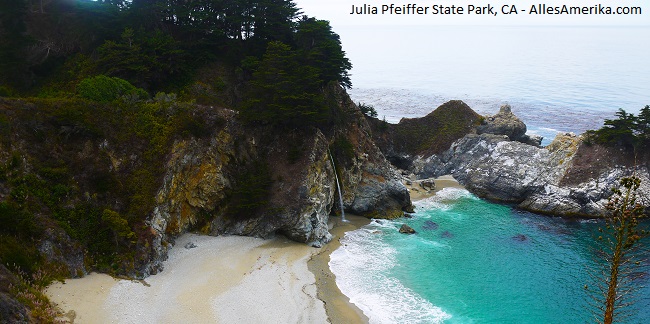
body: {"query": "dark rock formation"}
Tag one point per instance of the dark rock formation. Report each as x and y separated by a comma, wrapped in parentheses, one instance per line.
(427, 184)
(405, 229)
(371, 186)
(58, 247)
(520, 238)
(447, 234)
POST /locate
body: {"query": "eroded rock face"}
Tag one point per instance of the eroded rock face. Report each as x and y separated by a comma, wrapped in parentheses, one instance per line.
(11, 311)
(371, 186)
(494, 167)
(588, 198)
(201, 173)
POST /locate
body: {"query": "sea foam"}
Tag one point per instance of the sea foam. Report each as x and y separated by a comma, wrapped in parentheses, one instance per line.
(361, 266)
(444, 199)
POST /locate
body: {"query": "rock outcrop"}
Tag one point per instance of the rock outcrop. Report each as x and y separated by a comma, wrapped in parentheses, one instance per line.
(494, 167)
(405, 229)
(11, 311)
(505, 167)
(506, 123)
(431, 134)
(203, 175)
(371, 186)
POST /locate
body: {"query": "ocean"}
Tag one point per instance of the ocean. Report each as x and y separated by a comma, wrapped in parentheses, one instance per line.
(473, 261)
(557, 79)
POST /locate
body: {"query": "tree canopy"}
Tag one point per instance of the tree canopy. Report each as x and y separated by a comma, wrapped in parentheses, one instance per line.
(627, 130)
(159, 45)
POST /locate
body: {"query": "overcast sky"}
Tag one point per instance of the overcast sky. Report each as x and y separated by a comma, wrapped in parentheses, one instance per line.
(338, 13)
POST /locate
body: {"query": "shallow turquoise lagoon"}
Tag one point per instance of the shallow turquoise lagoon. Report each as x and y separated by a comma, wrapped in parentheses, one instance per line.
(472, 261)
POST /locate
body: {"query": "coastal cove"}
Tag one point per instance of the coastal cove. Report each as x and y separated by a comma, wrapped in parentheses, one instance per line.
(218, 162)
(472, 261)
(212, 279)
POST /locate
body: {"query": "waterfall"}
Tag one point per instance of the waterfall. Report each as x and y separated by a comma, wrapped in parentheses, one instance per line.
(338, 186)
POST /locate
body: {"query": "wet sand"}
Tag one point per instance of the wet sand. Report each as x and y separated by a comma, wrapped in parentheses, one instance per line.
(338, 306)
(418, 193)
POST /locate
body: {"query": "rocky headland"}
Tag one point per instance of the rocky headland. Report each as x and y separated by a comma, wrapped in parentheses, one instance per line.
(495, 159)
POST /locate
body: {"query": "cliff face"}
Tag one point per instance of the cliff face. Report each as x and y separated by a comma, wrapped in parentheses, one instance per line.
(109, 186)
(203, 179)
(371, 186)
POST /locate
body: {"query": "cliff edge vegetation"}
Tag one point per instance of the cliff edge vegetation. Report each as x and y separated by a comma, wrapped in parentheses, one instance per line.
(124, 124)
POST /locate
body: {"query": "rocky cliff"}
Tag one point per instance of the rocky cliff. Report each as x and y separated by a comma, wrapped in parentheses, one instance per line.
(202, 180)
(109, 187)
(499, 162)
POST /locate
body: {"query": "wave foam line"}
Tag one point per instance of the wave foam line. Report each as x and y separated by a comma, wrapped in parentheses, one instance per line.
(360, 266)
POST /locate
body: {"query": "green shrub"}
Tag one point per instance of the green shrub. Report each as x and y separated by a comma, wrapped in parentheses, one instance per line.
(106, 89)
(343, 149)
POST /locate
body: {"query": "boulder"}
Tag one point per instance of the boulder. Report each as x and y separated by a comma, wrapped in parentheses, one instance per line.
(427, 184)
(405, 229)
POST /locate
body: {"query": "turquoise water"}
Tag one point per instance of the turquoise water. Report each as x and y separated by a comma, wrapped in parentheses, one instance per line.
(477, 262)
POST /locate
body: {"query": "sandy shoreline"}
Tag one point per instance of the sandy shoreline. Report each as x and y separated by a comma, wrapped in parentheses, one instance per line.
(418, 193)
(338, 306)
(227, 279)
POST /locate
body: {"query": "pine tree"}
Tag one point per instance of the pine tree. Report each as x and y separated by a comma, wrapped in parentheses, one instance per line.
(285, 92)
(321, 48)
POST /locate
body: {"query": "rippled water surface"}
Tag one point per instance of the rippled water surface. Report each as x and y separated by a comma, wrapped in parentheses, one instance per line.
(556, 78)
(472, 261)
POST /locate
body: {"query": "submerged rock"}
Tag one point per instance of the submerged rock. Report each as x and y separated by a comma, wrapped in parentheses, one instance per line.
(520, 238)
(447, 234)
(405, 229)
(430, 225)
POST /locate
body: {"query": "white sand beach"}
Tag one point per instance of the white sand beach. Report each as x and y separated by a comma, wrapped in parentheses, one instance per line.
(226, 279)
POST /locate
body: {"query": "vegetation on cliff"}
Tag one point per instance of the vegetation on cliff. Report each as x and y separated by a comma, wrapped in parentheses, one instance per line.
(100, 91)
(431, 134)
(626, 130)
